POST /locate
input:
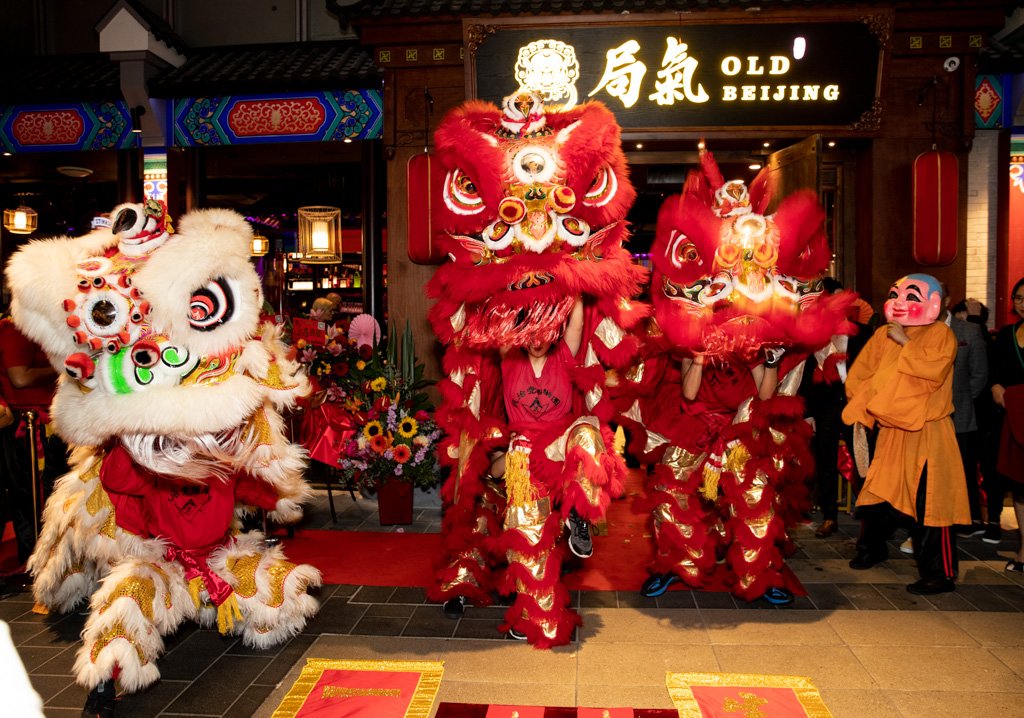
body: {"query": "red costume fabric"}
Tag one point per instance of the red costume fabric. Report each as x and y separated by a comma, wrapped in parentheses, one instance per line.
(535, 402)
(18, 350)
(187, 515)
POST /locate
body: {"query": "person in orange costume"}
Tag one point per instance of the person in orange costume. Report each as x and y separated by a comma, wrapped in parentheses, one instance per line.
(903, 382)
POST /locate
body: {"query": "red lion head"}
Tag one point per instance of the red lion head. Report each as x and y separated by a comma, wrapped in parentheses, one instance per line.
(730, 280)
(533, 209)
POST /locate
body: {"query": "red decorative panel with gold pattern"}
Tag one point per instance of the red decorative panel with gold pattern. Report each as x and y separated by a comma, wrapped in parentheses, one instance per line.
(48, 127)
(261, 118)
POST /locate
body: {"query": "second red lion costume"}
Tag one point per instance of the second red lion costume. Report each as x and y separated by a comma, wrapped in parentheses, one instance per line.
(731, 286)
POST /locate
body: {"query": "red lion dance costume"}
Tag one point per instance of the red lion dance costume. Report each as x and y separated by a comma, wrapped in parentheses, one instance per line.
(729, 283)
(532, 207)
(172, 394)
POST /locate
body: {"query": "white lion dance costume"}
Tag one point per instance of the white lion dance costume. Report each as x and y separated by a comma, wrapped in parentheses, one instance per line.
(171, 393)
(532, 208)
(729, 283)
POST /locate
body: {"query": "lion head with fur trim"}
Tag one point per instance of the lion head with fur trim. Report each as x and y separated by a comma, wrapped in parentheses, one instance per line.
(731, 279)
(157, 339)
(533, 207)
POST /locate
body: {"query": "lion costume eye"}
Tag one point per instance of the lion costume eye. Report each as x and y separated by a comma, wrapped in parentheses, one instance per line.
(460, 194)
(572, 230)
(211, 305)
(602, 189)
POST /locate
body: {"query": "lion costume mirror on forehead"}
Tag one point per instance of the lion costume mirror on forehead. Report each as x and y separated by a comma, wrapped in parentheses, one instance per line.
(172, 394)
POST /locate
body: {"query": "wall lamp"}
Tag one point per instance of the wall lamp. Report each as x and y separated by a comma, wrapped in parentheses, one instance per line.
(137, 112)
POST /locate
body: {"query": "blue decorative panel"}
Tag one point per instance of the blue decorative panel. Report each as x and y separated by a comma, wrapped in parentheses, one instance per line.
(295, 117)
(65, 127)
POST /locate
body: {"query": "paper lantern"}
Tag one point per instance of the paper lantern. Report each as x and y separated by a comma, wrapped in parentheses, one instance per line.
(935, 208)
(22, 220)
(320, 235)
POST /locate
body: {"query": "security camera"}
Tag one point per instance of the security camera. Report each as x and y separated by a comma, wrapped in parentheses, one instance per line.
(951, 64)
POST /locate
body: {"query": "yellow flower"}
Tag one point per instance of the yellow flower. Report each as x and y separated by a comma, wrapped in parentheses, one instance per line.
(373, 429)
(360, 365)
(301, 344)
(379, 384)
(408, 427)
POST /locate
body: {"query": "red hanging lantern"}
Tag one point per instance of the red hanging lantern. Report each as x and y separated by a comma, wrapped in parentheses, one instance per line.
(935, 207)
(425, 177)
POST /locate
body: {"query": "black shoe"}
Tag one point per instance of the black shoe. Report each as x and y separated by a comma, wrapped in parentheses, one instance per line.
(932, 585)
(865, 559)
(580, 542)
(976, 528)
(100, 702)
(657, 583)
(993, 534)
(778, 596)
(516, 635)
(454, 607)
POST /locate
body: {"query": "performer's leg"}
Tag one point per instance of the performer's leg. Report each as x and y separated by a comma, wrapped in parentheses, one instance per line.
(271, 592)
(17, 474)
(756, 527)
(594, 473)
(470, 519)
(875, 529)
(826, 471)
(136, 605)
(967, 442)
(934, 548)
(540, 612)
(681, 523)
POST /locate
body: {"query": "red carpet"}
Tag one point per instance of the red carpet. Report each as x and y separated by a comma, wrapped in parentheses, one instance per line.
(369, 558)
(480, 710)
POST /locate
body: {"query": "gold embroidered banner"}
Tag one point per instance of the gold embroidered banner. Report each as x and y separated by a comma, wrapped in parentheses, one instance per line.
(362, 689)
(746, 695)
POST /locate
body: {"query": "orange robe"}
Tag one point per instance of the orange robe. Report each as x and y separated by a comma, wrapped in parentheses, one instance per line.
(908, 392)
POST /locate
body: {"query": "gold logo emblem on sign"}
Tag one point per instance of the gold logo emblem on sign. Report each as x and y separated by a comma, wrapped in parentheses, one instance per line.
(549, 68)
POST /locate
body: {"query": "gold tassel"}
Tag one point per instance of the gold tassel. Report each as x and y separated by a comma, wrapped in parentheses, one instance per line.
(710, 487)
(227, 614)
(195, 586)
(736, 457)
(518, 487)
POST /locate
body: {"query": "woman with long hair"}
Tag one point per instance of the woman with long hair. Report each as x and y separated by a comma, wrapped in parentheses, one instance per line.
(1007, 374)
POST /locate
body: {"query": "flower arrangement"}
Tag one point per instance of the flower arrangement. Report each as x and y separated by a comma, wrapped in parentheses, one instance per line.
(378, 385)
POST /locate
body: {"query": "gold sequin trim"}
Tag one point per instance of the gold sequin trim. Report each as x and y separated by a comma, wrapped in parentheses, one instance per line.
(112, 634)
(141, 590)
(244, 569)
(277, 575)
(345, 692)
(259, 427)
